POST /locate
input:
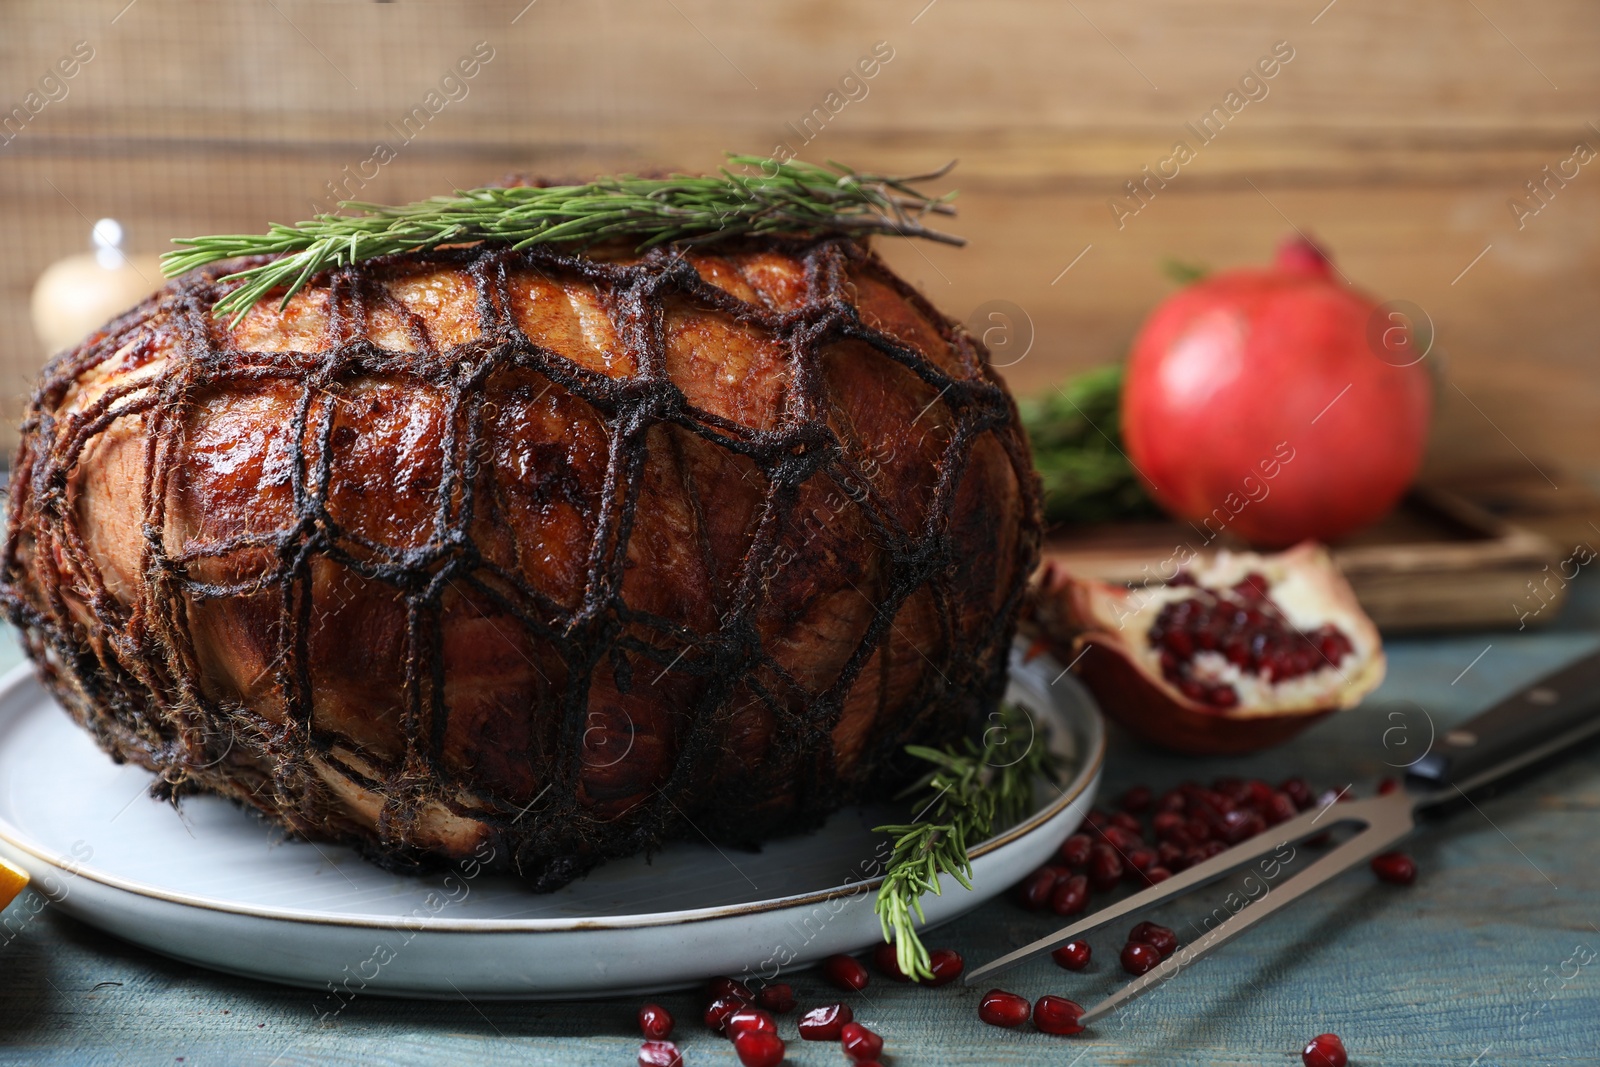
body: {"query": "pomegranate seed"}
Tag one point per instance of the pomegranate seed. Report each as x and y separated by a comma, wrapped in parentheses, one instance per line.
(1241, 824)
(1075, 850)
(887, 961)
(659, 1054)
(999, 1008)
(1057, 1015)
(1121, 839)
(825, 1023)
(1159, 938)
(719, 988)
(1136, 801)
(1387, 786)
(751, 1019)
(1157, 874)
(1199, 830)
(1105, 867)
(1260, 793)
(1171, 800)
(1395, 867)
(1138, 957)
(1033, 892)
(1123, 821)
(1097, 819)
(655, 1022)
(777, 997)
(1071, 896)
(845, 972)
(1299, 792)
(1167, 823)
(946, 965)
(1141, 859)
(1074, 955)
(1170, 856)
(860, 1044)
(1324, 1050)
(1213, 848)
(1279, 808)
(758, 1048)
(718, 1011)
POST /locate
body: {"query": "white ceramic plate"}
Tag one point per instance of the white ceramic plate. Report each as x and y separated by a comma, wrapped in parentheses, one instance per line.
(218, 886)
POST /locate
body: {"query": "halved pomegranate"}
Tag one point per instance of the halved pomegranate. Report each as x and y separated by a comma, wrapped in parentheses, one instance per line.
(1237, 652)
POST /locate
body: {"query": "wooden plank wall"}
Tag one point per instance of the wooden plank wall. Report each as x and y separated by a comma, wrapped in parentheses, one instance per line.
(1399, 132)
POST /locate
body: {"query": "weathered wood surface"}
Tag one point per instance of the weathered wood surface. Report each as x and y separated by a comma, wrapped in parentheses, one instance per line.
(1474, 965)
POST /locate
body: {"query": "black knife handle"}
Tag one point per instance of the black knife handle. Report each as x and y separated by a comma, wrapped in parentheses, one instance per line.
(1558, 710)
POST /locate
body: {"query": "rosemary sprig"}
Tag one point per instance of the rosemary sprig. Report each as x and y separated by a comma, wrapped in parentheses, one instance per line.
(766, 197)
(973, 791)
(1076, 434)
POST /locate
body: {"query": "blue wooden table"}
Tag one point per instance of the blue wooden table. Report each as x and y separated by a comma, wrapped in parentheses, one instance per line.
(1493, 957)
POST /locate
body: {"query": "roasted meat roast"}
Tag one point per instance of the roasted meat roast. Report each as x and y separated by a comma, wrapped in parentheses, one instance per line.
(563, 553)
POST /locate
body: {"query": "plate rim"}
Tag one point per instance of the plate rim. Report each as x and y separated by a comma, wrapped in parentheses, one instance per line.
(14, 681)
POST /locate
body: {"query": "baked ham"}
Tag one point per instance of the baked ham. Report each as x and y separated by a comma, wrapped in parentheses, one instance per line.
(564, 554)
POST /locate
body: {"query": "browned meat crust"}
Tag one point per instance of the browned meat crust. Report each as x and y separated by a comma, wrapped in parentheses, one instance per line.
(570, 553)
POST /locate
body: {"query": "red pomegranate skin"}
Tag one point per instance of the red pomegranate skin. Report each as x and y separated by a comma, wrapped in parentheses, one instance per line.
(1255, 403)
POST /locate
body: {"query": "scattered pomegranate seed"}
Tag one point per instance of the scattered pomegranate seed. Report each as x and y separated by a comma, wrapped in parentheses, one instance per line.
(659, 1054)
(1071, 896)
(1395, 867)
(860, 1044)
(1298, 791)
(718, 988)
(1157, 874)
(758, 1048)
(718, 1011)
(751, 1019)
(1138, 861)
(1159, 938)
(1074, 955)
(1280, 807)
(1057, 1015)
(655, 1022)
(1121, 839)
(825, 1023)
(1324, 1050)
(1168, 823)
(1123, 821)
(845, 972)
(946, 965)
(1137, 799)
(1138, 957)
(1105, 867)
(1033, 892)
(1075, 850)
(1387, 786)
(778, 997)
(999, 1008)
(887, 960)
(1097, 819)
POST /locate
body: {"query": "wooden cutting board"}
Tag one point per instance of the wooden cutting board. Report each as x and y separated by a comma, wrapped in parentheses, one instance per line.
(1438, 562)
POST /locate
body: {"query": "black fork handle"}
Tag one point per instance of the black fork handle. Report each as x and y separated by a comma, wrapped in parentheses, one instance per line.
(1557, 711)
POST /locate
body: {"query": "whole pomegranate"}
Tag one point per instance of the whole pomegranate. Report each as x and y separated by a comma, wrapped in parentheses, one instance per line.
(1256, 403)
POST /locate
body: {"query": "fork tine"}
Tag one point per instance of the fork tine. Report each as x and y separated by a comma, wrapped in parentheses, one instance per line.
(1368, 842)
(1306, 824)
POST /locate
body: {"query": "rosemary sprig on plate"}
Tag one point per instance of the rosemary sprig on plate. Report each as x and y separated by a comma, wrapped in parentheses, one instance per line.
(764, 196)
(973, 791)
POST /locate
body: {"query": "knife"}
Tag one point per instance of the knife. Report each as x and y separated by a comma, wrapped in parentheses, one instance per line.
(1556, 712)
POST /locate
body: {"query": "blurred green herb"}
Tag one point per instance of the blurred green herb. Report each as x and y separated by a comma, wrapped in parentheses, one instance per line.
(1182, 271)
(1076, 432)
(973, 792)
